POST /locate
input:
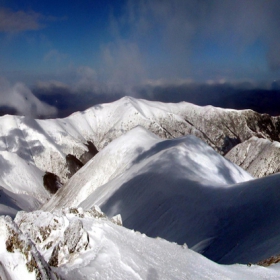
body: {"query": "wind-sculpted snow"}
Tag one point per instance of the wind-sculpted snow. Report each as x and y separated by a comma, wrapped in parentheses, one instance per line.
(194, 159)
(20, 184)
(238, 224)
(38, 245)
(29, 148)
(106, 165)
(182, 191)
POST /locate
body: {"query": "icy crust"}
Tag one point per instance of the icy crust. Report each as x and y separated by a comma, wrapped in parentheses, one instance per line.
(259, 157)
(195, 159)
(19, 257)
(111, 251)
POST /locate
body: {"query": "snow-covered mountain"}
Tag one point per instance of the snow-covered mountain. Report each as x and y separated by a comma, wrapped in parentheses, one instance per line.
(145, 161)
(180, 190)
(187, 158)
(29, 148)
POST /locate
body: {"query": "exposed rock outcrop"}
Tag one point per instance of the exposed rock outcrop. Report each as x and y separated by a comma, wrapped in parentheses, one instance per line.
(61, 234)
(51, 182)
(24, 256)
(259, 157)
(73, 165)
(87, 155)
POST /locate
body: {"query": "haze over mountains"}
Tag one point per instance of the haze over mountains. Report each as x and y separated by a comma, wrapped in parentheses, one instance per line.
(161, 167)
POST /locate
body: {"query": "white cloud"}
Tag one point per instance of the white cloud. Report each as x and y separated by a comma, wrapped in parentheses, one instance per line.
(20, 98)
(123, 64)
(177, 28)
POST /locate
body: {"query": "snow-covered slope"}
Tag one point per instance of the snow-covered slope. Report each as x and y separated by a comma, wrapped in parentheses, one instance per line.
(228, 225)
(21, 183)
(28, 148)
(186, 158)
(61, 146)
(220, 128)
(106, 165)
(77, 244)
(178, 189)
(181, 190)
(260, 157)
(46, 143)
(175, 188)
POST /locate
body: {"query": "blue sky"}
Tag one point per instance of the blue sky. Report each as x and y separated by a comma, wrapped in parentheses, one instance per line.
(94, 45)
(55, 37)
(196, 40)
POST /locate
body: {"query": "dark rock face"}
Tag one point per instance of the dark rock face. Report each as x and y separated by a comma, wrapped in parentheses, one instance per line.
(54, 261)
(73, 165)
(51, 182)
(229, 143)
(269, 261)
(92, 151)
(263, 125)
(246, 138)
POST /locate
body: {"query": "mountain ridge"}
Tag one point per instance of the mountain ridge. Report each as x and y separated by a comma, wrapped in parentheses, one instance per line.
(48, 145)
(143, 160)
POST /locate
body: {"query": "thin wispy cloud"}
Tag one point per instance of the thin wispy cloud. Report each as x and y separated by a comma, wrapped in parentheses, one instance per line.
(122, 64)
(181, 32)
(11, 21)
(20, 21)
(54, 56)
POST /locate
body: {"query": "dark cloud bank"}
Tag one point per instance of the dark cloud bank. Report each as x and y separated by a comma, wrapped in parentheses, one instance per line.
(55, 99)
(220, 95)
